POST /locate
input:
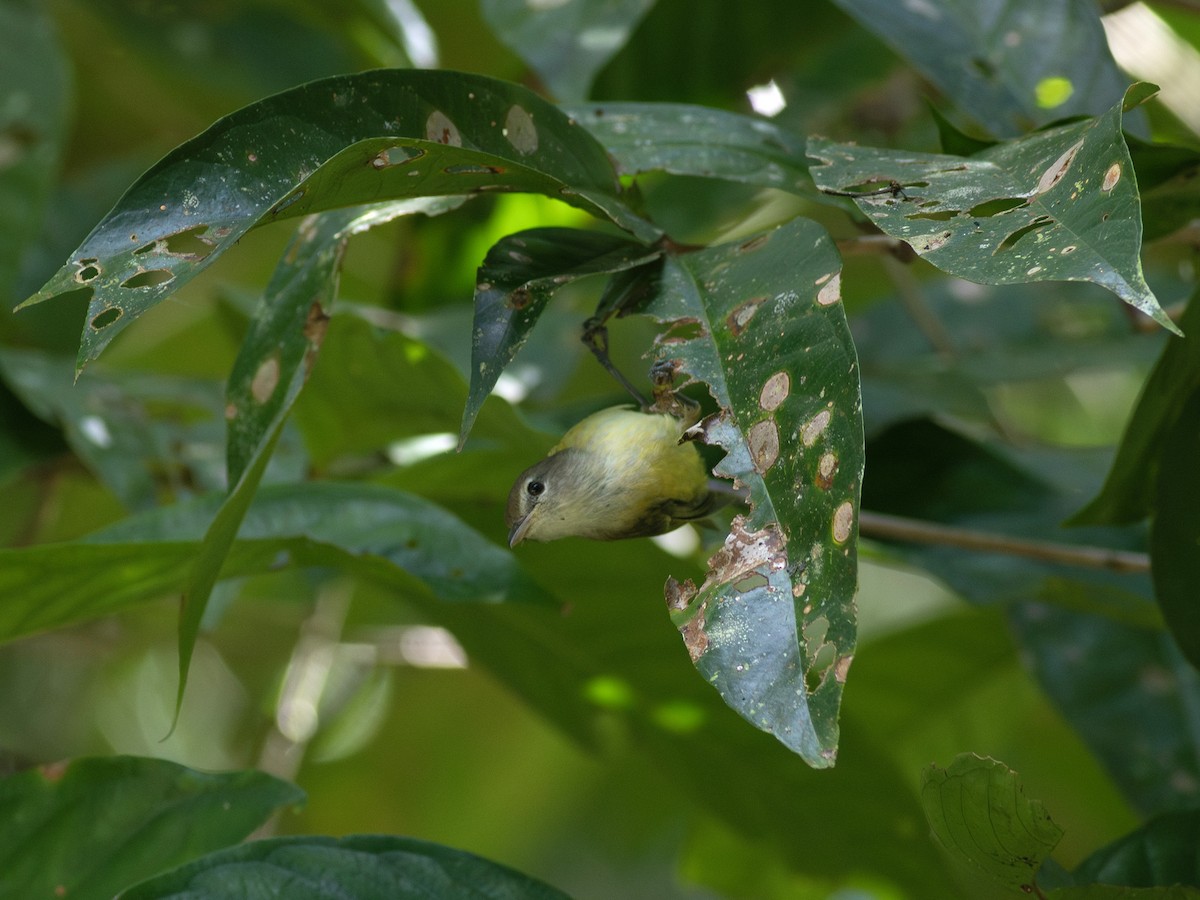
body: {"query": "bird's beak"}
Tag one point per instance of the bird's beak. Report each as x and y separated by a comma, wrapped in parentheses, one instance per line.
(516, 534)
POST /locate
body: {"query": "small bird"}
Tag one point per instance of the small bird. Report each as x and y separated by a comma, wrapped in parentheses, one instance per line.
(620, 473)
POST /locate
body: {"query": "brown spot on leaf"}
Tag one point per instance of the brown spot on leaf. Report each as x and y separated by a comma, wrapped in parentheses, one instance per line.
(520, 298)
(754, 243)
(265, 379)
(827, 467)
(743, 313)
(775, 390)
(746, 552)
(1057, 170)
(1111, 177)
(440, 130)
(694, 636)
(815, 427)
(842, 667)
(843, 522)
(763, 440)
(680, 594)
(520, 130)
(831, 292)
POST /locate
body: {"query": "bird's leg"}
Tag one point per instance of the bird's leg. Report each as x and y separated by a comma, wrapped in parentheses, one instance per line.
(666, 398)
(595, 337)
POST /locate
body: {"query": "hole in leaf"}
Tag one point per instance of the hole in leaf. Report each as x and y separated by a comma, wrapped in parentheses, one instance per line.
(189, 243)
(750, 582)
(396, 156)
(1011, 241)
(940, 216)
(107, 317)
(994, 207)
(89, 270)
(149, 278)
(289, 200)
(820, 666)
(472, 169)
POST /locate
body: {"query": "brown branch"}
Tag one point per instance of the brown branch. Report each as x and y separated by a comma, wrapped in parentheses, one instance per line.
(915, 531)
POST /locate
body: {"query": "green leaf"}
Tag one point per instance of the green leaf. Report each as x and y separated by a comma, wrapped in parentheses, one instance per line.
(278, 355)
(353, 406)
(90, 827)
(1118, 892)
(34, 103)
(370, 532)
(772, 627)
(695, 140)
(1013, 65)
(205, 568)
(1110, 681)
(1131, 487)
(267, 376)
(337, 142)
(980, 815)
(1175, 532)
(518, 277)
(616, 651)
(1161, 852)
(359, 867)
(1057, 205)
(148, 437)
(566, 42)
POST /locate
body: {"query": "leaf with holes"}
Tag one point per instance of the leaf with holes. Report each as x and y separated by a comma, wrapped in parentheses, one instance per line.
(695, 140)
(1013, 64)
(89, 827)
(514, 284)
(979, 813)
(568, 41)
(337, 142)
(1057, 205)
(358, 867)
(773, 625)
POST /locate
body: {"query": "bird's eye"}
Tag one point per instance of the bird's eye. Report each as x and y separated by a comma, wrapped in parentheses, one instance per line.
(534, 488)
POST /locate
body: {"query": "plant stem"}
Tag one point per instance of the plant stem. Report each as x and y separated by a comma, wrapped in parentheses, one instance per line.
(897, 528)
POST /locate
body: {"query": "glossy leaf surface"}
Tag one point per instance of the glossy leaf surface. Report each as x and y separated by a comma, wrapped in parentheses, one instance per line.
(1055, 205)
(90, 827)
(338, 142)
(359, 867)
(772, 626)
(1025, 62)
(517, 280)
(696, 140)
(373, 532)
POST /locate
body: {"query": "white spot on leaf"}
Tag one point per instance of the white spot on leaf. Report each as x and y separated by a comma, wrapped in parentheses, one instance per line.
(439, 129)
(831, 291)
(1111, 177)
(520, 130)
(1057, 170)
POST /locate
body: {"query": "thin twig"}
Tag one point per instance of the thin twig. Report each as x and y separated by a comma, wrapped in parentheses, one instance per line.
(915, 531)
(918, 309)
